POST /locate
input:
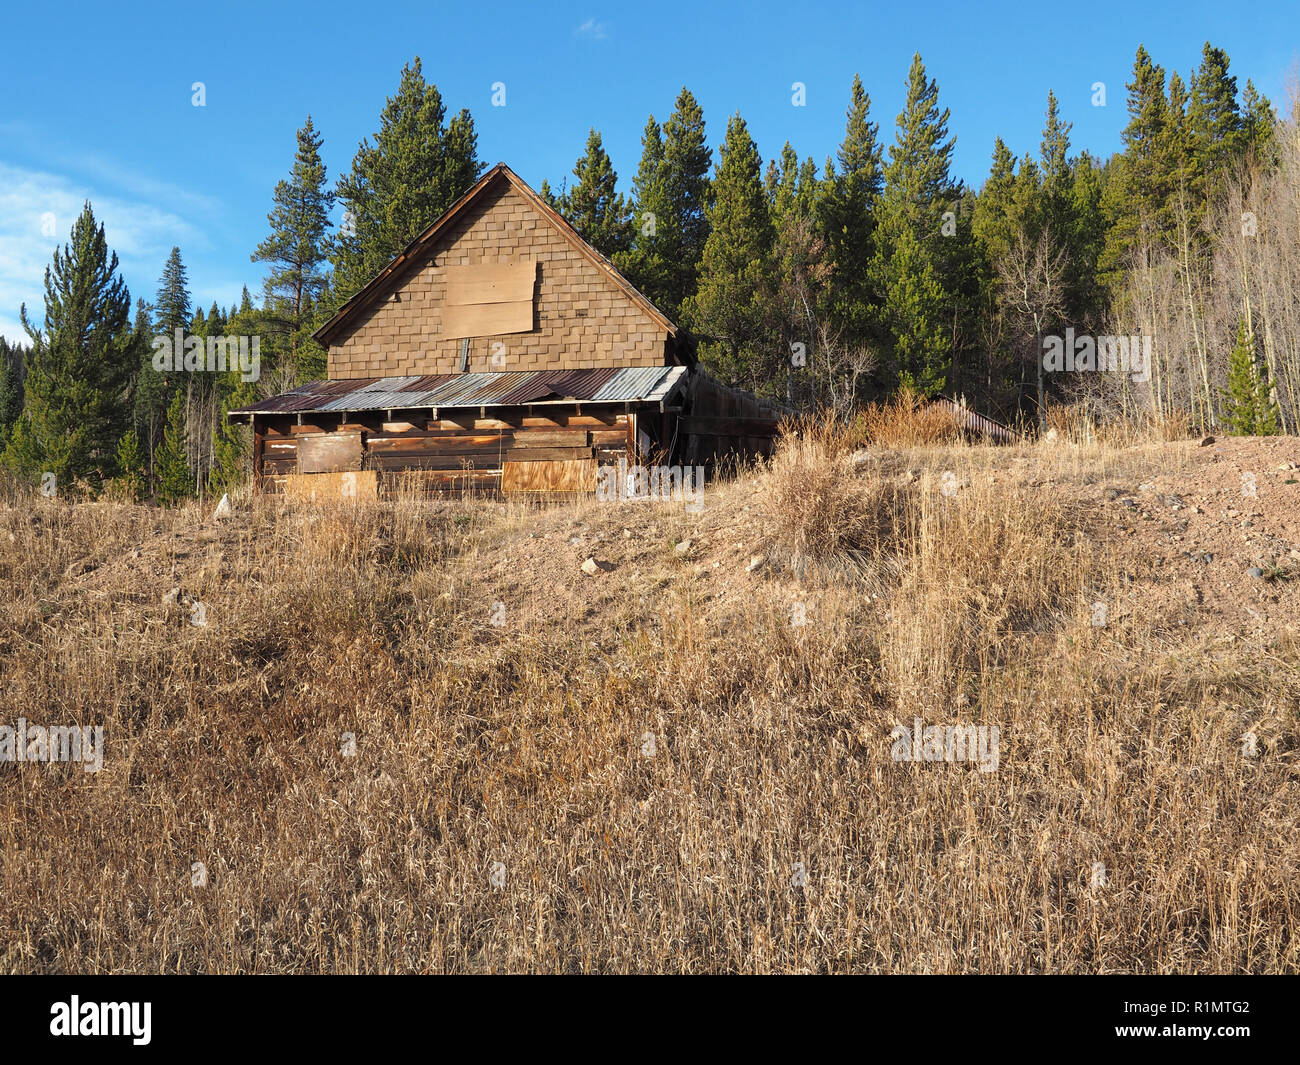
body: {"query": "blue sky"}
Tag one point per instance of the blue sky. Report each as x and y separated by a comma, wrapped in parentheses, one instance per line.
(96, 98)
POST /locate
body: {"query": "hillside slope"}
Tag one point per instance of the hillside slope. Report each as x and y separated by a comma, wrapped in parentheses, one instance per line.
(420, 737)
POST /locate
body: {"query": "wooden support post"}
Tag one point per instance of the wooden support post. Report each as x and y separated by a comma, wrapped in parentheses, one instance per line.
(259, 440)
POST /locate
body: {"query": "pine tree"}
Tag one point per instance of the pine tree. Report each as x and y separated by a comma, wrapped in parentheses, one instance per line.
(671, 196)
(593, 206)
(1085, 239)
(154, 388)
(80, 365)
(646, 261)
(1258, 126)
(172, 473)
(735, 272)
(1054, 165)
(233, 446)
(172, 308)
(1071, 209)
(779, 183)
(792, 188)
(1214, 120)
(687, 159)
(299, 229)
(992, 213)
(11, 390)
(846, 211)
(1139, 193)
(296, 248)
(916, 272)
(1249, 406)
(1190, 186)
(130, 465)
(419, 164)
(912, 294)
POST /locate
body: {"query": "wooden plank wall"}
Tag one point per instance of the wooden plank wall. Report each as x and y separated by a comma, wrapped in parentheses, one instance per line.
(724, 422)
(449, 456)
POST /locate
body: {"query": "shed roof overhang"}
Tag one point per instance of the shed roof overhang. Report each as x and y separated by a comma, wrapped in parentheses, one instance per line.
(606, 387)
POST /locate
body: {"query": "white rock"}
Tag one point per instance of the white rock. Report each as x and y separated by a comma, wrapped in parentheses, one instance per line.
(683, 547)
(224, 509)
(591, 567)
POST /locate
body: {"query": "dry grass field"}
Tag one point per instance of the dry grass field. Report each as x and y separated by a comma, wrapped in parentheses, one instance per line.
(416, 736)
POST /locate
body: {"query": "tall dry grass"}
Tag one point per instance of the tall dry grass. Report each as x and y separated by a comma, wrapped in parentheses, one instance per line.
(1079, 424)
(906, 420)
(671, 775)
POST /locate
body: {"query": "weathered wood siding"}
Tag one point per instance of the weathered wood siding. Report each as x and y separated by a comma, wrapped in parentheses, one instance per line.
(725, 422)
(582, 320)
(551, 454)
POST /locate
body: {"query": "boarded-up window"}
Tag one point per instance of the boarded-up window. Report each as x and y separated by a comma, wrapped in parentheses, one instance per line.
(488, 299)
(329, 452)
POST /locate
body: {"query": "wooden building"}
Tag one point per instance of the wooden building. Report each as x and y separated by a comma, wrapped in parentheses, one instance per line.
(500, 352)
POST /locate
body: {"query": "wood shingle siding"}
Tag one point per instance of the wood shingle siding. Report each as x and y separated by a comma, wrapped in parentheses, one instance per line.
(583, 317)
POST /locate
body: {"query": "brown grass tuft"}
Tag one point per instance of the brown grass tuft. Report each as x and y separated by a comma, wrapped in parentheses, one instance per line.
(907, 421)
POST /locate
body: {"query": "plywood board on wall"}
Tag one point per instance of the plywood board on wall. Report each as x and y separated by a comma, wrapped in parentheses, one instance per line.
(488, 299)
(359, 486)
(491, 282)
(569, 475)
(329, 452)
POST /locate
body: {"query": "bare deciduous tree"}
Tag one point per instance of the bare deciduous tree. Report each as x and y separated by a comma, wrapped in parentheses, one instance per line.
(1031, 276)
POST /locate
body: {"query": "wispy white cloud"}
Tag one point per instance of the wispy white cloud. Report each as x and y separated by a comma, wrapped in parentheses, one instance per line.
(142, 187)
(593, 30)
(37, 209)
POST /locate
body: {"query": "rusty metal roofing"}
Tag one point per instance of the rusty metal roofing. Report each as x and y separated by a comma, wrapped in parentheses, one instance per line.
(633, 384)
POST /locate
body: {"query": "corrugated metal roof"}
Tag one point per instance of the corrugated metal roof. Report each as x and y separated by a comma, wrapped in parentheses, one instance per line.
(633, 384)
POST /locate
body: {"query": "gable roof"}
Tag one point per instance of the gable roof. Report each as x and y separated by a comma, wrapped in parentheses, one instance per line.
(392, 275)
